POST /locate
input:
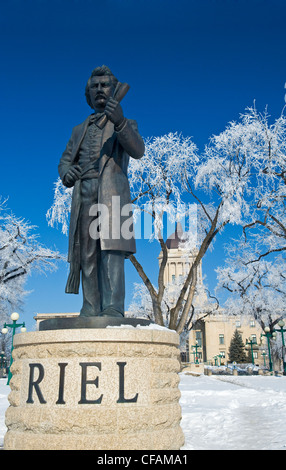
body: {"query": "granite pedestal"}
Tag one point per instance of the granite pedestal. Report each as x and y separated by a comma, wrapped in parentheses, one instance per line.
(113, 388)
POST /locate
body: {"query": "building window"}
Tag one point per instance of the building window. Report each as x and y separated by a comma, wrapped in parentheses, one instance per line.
(199, 338)
(221, 339)
(252, 323)
(173, 278)
(238, 324)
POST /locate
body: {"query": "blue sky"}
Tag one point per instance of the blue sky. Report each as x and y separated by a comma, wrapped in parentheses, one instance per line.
(193, 66)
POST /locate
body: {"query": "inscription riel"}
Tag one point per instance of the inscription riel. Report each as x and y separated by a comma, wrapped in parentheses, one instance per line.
(84, 383)
(87, 389)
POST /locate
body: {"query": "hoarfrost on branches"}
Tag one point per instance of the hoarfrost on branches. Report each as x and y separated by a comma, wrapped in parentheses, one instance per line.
(141, 304)
(254, 273)
(257, 288)
(58, 214)
(156, 180)
(246, 164)
(20, 254)
(160, 172)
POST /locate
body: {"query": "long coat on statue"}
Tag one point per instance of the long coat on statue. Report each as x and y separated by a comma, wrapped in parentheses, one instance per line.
(113, 191)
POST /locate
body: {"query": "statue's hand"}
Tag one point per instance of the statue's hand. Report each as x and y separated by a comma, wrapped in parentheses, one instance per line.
(72, 175)
(113, 111)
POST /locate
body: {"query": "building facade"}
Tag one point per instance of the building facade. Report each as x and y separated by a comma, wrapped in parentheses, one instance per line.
(209, 339)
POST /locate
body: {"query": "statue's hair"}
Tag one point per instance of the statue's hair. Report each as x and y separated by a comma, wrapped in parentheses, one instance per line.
(99, 71)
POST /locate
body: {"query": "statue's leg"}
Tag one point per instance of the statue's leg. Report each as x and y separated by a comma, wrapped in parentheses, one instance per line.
(89, 253)
(112, 283)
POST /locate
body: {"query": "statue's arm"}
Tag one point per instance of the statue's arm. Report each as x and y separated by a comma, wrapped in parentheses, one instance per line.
(69, 172)
(130, 139)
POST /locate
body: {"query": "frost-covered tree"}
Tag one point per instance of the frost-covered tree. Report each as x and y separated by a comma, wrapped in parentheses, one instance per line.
(20, 255)
(59, 212)
(257, 288)
(255, 149)
(141, 304)
(157, 185)
(255, 270)
(266, 227)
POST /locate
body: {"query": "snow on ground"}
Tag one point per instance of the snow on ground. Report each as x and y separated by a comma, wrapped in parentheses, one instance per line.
(233, 413)
(4, 392)
(221, 412)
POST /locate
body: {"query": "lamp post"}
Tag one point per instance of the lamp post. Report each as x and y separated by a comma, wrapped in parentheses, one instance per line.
(219, 356)
(269, 335)
(2, 361)
(281, 323)
(195, 351)
(194, 354)
(217, 359)
(14, 317)
(264, 354)
(251, 342)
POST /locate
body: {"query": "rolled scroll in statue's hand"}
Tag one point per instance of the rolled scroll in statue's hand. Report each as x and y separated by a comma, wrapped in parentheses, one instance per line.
(119, 94)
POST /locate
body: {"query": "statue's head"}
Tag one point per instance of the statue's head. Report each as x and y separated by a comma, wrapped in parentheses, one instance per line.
(100, 86)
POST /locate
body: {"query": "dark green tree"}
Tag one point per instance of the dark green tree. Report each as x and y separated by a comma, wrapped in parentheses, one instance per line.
(236, 350)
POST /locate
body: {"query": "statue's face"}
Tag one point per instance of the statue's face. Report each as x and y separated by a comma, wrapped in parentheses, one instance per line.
(100, 89)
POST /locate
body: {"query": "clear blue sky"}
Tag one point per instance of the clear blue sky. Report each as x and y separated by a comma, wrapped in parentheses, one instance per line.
(193, 65)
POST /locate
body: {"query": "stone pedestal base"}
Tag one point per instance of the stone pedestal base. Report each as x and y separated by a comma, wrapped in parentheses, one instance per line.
(87, 389)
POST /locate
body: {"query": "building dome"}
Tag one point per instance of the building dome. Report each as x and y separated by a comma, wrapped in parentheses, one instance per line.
(176, 238)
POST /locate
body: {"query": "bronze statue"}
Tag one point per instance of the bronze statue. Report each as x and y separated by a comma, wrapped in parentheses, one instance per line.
(95, 163)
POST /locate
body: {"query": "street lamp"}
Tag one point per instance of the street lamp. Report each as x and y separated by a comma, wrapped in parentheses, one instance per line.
(264, 354)
(194, 354)
(195, 351)
(14, 317)
(219, 356)
(269, 335)
(281, 323)
(251, 341)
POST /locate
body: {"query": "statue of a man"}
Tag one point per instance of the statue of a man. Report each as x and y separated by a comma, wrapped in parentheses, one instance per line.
(95, 163)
